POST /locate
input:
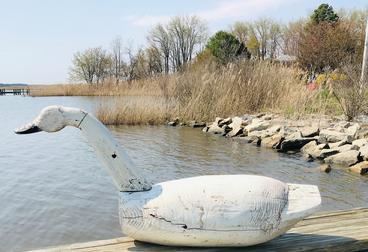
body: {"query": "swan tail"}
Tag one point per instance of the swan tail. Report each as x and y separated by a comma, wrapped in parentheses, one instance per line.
(303, 200)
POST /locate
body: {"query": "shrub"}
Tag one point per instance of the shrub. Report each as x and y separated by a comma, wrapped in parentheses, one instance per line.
(324, 13)
(226, 47)
(349, 92)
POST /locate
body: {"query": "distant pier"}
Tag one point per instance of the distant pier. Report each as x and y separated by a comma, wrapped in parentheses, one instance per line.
(25, 91)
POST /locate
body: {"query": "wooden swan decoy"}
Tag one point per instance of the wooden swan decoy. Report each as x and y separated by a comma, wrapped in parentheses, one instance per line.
(218, 210)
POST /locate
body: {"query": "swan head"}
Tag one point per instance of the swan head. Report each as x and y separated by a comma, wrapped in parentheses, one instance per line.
(53, 119)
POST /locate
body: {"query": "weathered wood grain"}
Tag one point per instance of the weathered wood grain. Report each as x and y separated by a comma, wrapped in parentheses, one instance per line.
(334, 231)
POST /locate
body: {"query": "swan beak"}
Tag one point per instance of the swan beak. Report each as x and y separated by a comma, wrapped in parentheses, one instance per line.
(28, 129)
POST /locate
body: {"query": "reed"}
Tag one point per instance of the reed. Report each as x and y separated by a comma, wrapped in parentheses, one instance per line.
(201, 93)
(139, 110)
(209, 90)
(149, 86)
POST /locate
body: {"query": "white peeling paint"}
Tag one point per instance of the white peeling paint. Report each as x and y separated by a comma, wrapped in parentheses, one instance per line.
(222, 210)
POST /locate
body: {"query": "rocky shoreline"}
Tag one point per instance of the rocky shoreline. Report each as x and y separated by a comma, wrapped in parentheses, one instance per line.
(331, 141)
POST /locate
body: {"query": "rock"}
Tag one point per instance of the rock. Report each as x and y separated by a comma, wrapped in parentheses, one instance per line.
(294, 135)
(309, 131)
(261, 134)
(348, 158)
(235, 132)
(353, 130)
(360, 142)
(343, 124)
(274, 129)
(174, 123)
(313, 149)
(285, 130)
(257, 141)
(346, 147)
(215, 129)
(360, 168)
(332, 136)
(309, 146)
(323, 146)
(337, 144)
(272, 142)
(364, 152)
(362, 133)
(236, 126)
(236, 122)
(257, 126)
(218, 120)
(308, 158)
(226, 121)
(226, 128)
(205, 129)
(195, 124)
(250, 139)
(267, 117)
(327, 152)
(294, 144)
(325, 168)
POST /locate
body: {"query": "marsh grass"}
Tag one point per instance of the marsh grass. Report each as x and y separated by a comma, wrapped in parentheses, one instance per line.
(139, 110)
(209, 90)
(150, 86)
(203, 92)
(241, 88)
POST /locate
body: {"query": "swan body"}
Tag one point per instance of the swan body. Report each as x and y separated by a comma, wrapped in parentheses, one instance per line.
(217, 210)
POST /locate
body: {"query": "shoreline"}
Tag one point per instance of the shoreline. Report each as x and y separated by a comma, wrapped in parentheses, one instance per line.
(330, 140)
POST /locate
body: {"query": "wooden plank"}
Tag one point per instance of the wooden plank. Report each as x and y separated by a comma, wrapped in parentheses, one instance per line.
(335, 231)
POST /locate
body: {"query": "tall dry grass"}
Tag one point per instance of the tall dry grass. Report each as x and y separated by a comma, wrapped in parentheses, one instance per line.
(138, 110)
(209, 90)
(236, 89)
(150, 86)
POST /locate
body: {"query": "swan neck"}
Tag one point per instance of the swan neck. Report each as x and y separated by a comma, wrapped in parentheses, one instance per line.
(127, 177)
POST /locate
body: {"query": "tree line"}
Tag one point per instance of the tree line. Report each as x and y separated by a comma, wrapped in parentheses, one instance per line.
(319, 43)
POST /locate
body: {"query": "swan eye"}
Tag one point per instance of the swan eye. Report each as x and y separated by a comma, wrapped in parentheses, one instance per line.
(113, 155)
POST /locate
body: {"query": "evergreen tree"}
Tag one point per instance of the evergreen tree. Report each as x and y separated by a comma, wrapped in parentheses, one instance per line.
(324, 13)
(226, 47)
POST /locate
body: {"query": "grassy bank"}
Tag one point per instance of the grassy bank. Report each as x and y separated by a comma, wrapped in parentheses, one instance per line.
(206, 91)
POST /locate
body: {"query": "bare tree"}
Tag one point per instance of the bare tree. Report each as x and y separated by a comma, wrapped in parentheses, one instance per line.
(117, 59)
(159, 38)
(178, 41)
(262, 37)
(291, 35)
(91, 65)
(241, 30)
(187, 35)
(155, 65)
(129, 69)
(267, 32)
(102, 64)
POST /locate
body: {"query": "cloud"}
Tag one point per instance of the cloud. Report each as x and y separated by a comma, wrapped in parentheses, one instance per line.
(223, 9)
(240, 8)
(147, 20)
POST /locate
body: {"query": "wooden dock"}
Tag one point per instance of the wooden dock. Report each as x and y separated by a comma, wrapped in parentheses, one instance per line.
(334, 231)
(14, 91)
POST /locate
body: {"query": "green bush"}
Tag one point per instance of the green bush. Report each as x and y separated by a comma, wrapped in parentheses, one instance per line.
(324, 13)
(226, 47)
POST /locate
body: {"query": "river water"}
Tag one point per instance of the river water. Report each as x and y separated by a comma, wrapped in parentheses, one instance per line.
(54, 191)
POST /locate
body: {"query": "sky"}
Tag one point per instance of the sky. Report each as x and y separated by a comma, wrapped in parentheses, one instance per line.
(39, 37)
